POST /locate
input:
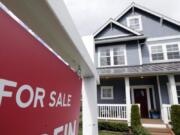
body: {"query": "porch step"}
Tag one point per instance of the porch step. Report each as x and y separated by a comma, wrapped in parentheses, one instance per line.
(159, 131)
(153, 123)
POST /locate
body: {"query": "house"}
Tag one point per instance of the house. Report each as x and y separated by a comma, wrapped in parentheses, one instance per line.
(138, 59)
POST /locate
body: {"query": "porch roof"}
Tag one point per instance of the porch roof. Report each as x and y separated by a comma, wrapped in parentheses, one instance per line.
(146, 69)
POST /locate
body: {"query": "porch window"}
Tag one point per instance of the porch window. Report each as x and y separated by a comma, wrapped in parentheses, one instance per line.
(178, 93)
(112, 56)
(107, 92)
(165, 52)
(134, 22)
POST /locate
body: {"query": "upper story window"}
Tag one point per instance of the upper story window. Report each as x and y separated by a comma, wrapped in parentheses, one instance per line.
(163, 52)
(107, 92)
(112, 56)
(135, 23)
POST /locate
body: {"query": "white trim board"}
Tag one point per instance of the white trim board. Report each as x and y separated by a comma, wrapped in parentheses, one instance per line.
(163, 38)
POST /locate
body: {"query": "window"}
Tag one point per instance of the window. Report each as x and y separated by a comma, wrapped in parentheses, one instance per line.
(105, 59)
(112, 56)
(107, 92)
(165, 52)
(118, 55)
(134, 22)
(173, 51)
(178, 93)
(157, 53)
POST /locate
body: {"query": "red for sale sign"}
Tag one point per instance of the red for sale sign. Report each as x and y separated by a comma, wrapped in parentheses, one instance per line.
(39, 94)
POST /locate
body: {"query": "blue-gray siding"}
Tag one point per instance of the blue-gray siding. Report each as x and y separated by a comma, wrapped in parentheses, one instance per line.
(145, 54)
(132, 53)
(119, 91)
(112, 31)
(151, 24)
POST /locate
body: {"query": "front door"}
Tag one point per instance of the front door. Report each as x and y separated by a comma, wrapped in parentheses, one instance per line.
(140, 97)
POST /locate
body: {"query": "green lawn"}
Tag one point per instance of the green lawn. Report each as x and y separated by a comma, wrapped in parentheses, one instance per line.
(104, 133)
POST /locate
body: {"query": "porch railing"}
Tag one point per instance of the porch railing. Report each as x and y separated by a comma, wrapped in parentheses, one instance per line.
(166, 113)
(112, 111)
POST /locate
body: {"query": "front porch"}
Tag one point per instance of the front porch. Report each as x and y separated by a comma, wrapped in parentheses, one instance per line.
(152, 93)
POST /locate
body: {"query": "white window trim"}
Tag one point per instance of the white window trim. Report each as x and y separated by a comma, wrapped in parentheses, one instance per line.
(111, 57)
(112, 92)
(133, 17)
(164, 52)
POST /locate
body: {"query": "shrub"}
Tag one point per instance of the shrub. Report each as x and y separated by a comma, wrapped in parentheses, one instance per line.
(135, 116)
(175, 118)
(139, 130)
(113, 126)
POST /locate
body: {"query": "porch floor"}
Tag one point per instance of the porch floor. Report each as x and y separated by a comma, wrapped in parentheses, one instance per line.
(152, 121)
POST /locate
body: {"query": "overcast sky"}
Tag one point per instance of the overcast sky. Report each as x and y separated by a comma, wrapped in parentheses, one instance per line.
(89, 15)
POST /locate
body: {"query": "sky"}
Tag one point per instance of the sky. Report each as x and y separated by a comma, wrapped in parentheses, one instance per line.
(89, 15)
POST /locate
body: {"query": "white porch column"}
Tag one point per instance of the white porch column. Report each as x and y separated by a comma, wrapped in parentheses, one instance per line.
(172, 90)
(89, 106)
(128, 99)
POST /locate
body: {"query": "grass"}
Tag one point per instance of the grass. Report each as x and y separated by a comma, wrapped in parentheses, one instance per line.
(104, 133)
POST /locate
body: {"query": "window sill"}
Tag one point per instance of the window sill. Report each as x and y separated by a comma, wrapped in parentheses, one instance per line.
(164, 61)
(112, 66)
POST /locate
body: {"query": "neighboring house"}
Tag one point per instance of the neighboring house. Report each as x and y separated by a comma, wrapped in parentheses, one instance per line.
(138, 60)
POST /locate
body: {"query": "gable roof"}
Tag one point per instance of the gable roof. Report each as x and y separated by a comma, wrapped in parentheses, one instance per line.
(148, 11)
(117, 24)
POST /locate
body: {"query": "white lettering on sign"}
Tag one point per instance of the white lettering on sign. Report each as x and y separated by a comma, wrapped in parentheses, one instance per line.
(36, 97)
(4, 93)
(19, 102)
(62, 100)
(67, 129)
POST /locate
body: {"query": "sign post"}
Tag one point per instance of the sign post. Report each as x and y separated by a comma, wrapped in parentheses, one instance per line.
(39, 93)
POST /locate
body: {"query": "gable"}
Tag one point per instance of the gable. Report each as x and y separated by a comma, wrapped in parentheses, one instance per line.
(151, 23)
(113, 30)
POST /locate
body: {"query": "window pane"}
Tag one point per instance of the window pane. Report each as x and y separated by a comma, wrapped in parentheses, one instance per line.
(107, 92)
(178, 93)
(179, 100)
(158, 56)
(105, 61)
(172, 48)
(134, 23)
(156, 49)
(173, 55)
(178, 87)
(119, 60)
(118, 51)
(105, 52)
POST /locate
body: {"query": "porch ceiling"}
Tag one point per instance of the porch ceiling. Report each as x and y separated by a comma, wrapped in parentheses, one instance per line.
(146, 69)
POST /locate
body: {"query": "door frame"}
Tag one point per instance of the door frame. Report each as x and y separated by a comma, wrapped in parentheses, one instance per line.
(146, 87)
